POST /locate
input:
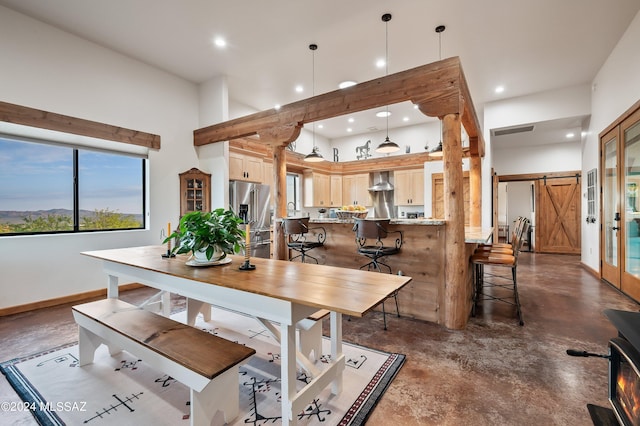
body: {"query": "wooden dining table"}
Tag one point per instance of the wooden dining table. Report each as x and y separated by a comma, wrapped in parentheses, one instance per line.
(276, 291)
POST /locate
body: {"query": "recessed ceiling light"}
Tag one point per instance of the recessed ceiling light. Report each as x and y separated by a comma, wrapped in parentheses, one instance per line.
(383, 114)
(499, 89)
(349, 129)
(570, 135)
(351, 120)
(220, 42)
(415, 106)
(380, 63)
(299, 89)
(277, 106)
(405, 118)
(346, 84)
(320, 126)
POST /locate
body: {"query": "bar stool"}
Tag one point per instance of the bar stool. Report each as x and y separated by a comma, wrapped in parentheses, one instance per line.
(297, 228)
(498, 259)
(370, 235)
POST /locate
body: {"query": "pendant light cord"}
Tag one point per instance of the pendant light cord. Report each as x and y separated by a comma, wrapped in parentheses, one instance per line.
(386, 64)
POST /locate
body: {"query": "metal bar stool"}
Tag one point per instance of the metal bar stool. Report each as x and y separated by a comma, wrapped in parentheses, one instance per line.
(297, 228)
(497, 259)
(370, 234)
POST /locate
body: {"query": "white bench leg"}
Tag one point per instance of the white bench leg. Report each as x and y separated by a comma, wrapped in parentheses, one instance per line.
(220, 394)
(310, 340)
(88, 342)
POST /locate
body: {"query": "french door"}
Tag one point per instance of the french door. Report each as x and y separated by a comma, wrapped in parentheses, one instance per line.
(620, 232)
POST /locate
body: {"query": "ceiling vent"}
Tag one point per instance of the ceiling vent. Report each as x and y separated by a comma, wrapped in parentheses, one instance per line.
(512, 130)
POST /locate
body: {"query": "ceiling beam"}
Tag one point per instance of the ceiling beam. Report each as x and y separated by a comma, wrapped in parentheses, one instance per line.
(438, 89)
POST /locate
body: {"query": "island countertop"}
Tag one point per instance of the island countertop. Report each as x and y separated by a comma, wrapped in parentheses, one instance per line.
(472, 234)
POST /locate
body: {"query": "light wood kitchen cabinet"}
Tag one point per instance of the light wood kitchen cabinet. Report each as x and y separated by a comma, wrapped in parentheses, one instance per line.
(336, 191)
(317, 189)
(437, 198)
(355, 190)
(245, 167)
(409, 187)
(267, 179)
(195, 187)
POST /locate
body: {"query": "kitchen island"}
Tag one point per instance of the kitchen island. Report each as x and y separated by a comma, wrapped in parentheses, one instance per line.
(422, 258)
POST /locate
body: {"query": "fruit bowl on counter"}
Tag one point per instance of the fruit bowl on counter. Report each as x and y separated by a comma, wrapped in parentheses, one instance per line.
(350, 212)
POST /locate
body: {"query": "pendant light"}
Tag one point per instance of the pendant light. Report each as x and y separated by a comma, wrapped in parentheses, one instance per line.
(387, 146)
(314, 156)
(437, 151)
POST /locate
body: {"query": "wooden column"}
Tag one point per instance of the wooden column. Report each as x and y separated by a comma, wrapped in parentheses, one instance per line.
(456, 297)
(280, 183)
(475, 191)
(279, 137)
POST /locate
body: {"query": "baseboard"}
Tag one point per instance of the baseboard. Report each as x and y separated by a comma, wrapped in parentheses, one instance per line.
(65, 299)
(590, 270)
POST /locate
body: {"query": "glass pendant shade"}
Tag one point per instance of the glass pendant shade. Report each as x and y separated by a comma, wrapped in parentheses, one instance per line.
(314, 156)
(387, 146)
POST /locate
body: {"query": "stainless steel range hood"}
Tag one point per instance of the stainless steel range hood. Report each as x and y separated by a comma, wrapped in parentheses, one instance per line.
(381, 182)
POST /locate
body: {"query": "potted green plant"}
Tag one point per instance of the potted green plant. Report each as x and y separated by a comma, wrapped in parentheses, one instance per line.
(209, 236)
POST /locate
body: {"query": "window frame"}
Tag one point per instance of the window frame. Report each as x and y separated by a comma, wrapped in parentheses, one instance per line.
(131, 141)
(76, 182)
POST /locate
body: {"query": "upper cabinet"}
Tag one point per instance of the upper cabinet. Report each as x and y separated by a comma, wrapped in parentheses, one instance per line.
(267, 179)
(245, 167)
(336, 191)
(317, 189)
(195, 186)
(355, 190)
(409, 187)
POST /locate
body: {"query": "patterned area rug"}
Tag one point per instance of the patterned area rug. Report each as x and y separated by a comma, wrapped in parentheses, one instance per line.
(123, 390)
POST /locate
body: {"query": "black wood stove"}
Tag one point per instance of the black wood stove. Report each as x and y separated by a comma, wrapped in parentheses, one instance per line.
(624, 372)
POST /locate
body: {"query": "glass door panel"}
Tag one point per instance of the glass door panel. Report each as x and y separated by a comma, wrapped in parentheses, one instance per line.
(610, 210)
(632, 203)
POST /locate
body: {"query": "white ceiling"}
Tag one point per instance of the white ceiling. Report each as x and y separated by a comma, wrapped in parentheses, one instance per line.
(526, 46)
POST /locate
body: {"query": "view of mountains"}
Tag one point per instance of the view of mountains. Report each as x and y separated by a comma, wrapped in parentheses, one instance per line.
(14, 217)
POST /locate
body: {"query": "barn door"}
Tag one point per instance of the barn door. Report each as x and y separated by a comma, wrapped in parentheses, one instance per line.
(558, 230)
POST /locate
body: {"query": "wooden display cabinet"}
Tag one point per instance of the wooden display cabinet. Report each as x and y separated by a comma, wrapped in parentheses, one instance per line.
(195, 189)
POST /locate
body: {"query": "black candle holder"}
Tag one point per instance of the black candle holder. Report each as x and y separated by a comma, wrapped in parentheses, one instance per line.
(168, 255)
(247, 266)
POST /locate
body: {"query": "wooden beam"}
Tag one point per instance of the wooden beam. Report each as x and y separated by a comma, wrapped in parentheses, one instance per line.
(457, 296)
(439, 86)
(26, 116)
(280, 135)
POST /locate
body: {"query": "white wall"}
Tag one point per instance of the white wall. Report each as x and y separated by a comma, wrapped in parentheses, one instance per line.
(48, 69)
(615, 89)
(549, 158)
(567, 102)
(416, 137)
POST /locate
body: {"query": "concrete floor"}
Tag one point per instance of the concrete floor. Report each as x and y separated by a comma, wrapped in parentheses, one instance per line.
(492, 373)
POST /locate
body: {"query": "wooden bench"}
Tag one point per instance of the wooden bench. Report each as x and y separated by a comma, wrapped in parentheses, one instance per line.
(207, 364)
(309, 329)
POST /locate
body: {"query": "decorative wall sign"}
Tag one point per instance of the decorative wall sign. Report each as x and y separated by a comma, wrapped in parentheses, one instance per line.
(363, 151)
(335, 155)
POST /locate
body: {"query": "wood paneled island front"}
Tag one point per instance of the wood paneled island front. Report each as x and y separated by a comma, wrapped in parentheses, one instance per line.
(422, 258)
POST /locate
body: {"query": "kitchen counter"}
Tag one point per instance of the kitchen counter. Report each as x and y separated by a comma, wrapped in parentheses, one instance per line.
(422, 257)
(472, 234)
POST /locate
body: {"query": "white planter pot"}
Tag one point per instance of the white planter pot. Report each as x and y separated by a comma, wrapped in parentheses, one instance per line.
(201, 256)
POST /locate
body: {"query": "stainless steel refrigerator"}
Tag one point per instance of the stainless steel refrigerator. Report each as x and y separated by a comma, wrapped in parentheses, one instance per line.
(251, 201)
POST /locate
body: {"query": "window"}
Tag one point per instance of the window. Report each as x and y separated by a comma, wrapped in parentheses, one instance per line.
(591, 196)
(52, 187)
